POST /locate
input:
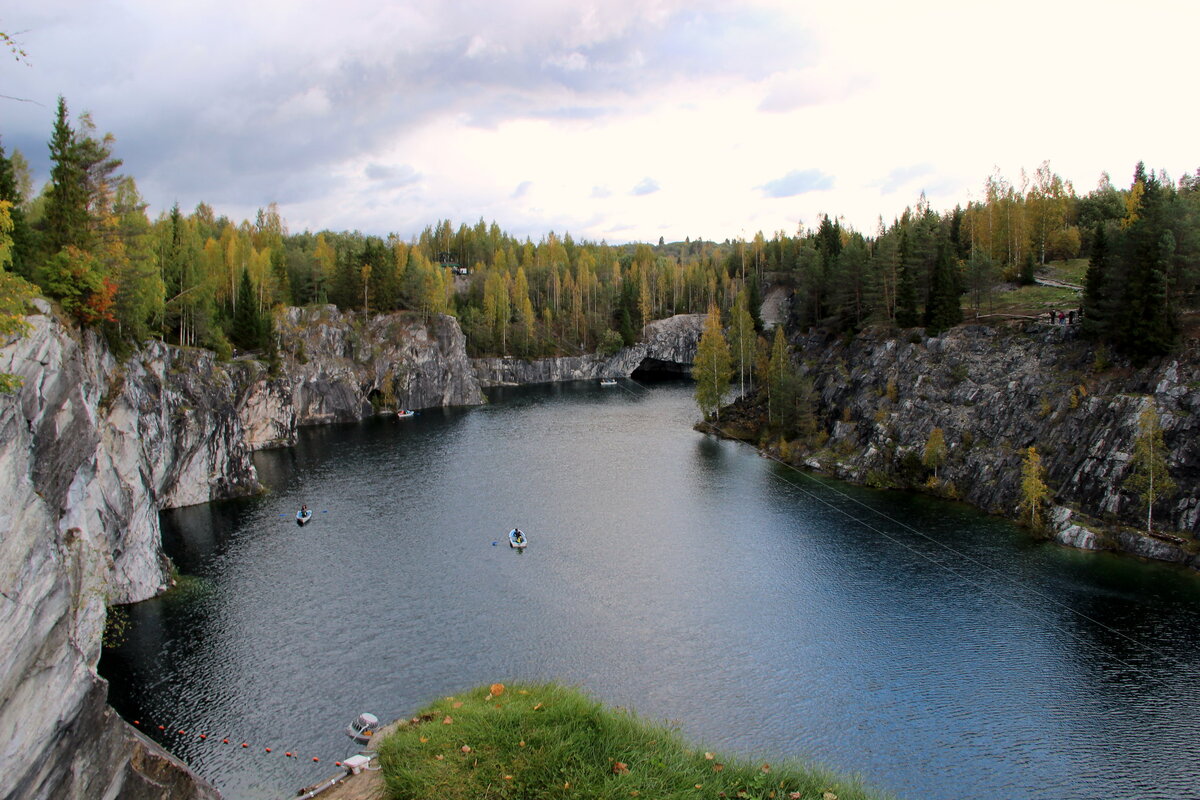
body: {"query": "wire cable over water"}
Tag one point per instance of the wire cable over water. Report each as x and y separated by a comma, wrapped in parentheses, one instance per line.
(1006, 599)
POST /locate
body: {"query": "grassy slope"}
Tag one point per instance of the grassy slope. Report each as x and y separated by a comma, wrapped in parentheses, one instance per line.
(547, 741)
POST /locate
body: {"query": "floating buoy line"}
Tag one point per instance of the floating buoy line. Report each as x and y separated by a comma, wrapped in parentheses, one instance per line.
(1004, 598)
(238, 744)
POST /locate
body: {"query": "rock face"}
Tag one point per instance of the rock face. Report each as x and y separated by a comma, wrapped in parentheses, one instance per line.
(341, 367)
(995, 392)
(666, 345)
(92, 449)
(88, 454)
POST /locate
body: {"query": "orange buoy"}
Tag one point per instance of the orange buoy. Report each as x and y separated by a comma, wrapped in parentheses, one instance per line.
(162, 727)
(337, 763)
(268, 749)
(224, 741)
(181, 733)
(202, 736)
(135, 722)
(289, 755)
(245, 745)
(316, 759)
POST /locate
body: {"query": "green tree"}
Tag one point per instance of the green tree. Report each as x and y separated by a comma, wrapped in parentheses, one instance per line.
(1149, 477)
(246, 330)
(1033, 489)
(943, 309)
(140, 290)
(1097, 287)
(778, 368)
(66, 215)
(76, 279)
(981, 277)
(712, 368)
(21, 236)
(907, 314)
(15, 293)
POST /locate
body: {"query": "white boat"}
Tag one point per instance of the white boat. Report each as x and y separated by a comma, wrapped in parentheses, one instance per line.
(516, 539)
(405, 412)
(302, 517)
(608, 381)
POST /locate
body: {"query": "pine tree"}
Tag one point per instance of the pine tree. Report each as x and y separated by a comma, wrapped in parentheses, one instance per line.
(712, 368)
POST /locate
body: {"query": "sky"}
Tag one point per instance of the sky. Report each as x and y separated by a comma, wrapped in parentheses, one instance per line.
(622, 120)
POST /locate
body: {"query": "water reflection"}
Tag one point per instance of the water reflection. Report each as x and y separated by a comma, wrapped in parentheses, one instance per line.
(936, 650)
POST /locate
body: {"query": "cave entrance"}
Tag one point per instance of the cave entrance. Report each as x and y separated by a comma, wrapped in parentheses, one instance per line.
(651, 370)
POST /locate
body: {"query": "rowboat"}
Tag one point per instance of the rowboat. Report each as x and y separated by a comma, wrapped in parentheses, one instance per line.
(516, 539)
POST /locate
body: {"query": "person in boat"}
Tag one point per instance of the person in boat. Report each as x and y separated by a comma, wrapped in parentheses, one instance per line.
(518, 536)
(303, 510)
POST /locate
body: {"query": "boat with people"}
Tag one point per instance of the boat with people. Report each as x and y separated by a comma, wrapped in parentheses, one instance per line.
(303, 516)
(608, 381)
(405, 412)
(516, 539)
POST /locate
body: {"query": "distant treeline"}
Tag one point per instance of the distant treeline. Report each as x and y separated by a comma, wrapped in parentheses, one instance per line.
(201, 279)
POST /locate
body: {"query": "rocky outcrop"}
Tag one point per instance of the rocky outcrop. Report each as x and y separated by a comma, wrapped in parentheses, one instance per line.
(89, 452)
(91, 449)
(341, 367)
(995, 392)
(666, 345)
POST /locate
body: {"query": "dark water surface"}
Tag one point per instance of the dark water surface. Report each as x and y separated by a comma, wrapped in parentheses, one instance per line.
(941, 654)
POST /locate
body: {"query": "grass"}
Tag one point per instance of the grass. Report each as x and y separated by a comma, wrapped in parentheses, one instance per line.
(1029, 301)
(536, 741)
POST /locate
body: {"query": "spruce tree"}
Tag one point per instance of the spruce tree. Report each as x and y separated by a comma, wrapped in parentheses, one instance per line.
(943, 309)
(907, 315)
(246, 330)
(66, 217)
(1097, 288)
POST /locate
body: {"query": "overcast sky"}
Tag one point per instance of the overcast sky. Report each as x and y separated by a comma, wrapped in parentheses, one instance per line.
(620, 120)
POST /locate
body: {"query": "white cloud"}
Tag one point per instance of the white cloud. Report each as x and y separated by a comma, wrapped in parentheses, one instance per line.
(758, 115)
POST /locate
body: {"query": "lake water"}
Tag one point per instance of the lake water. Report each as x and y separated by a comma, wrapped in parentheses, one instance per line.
(935, 651)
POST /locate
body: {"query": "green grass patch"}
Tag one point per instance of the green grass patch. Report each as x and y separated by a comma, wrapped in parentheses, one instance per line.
(1034, 300)
(541, 741)
(1072, 271)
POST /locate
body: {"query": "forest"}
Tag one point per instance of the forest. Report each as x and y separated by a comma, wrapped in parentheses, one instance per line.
(199, 279)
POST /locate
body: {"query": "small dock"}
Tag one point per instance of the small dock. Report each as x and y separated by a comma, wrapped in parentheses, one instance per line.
(366, 785)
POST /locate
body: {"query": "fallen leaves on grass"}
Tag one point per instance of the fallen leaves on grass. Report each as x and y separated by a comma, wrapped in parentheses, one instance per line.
(620, 768)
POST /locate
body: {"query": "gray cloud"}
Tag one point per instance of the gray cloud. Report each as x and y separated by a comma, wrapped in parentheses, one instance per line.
(645, 186)
(522, 189)
(797, 182)
(236, 104)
